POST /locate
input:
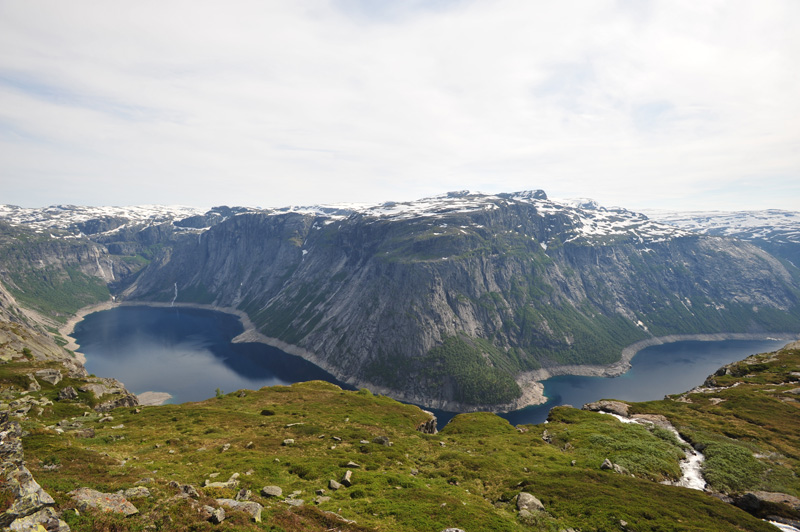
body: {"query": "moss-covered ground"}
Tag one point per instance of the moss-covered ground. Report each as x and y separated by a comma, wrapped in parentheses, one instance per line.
(466, 476)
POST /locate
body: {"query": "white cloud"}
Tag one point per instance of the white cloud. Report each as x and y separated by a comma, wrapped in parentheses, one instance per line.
(641, 104)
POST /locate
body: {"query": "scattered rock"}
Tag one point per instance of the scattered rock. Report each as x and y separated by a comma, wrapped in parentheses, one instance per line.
(226, 447)
(526, 501)
(271, 491)
(232, 482)
(244, 495)
(294, 502)
(217, 514)
(242, 394)
(108, 502)
(352, 464)
(44, 519)
(615, 407)
(795, 391)
(134, 493)
(53, 376)
(382, 440)
(33, 386)
(288, 441)
(249, 445)
(321, 499)
(84, 433)
(332, 484)
(125, 399)
(248, 507)
(320, 491)
(67, 393)
(607, 464)
(337, 438)
(621, 470)
(29, 497)
(346, 479)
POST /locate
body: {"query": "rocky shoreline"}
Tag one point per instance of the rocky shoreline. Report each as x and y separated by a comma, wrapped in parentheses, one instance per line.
(530, 382)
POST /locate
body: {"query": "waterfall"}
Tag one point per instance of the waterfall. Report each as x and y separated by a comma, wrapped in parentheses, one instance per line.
(176, 295)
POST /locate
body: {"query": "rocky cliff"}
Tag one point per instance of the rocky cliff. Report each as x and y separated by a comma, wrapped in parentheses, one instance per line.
(448, 299)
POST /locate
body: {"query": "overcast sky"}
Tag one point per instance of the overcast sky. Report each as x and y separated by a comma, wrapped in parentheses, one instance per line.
(678, 104)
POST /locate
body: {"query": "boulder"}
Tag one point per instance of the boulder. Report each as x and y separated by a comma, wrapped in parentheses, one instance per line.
(29, 497)
(243, 495)
(615, 407)
(347, 478)
(762, 502)
(607, 464)
(127, 399)
(134, 493)
(271, 491)
(248, 507)
(33, 386)
(332, 484)
(44, 519)
(232, 482)
(526, 501)
(382, 440)
(86, 498)
(215, 515)
(53, 376)
(67, 393)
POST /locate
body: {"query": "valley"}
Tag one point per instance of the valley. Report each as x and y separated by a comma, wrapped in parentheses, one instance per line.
(456, 301)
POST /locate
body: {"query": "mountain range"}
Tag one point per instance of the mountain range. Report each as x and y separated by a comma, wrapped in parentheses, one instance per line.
(456, 301)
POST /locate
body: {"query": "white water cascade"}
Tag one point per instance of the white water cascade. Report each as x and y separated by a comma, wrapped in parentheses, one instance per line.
(172, 303)
(691, 466)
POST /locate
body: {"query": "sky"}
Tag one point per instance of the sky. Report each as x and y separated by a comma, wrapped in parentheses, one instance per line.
(674, 104)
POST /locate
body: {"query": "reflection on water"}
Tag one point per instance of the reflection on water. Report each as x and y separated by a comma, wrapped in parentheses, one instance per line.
(185, 352)
(188, 353)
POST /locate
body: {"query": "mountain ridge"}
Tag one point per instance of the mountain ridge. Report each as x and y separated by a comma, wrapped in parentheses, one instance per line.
(450, 299)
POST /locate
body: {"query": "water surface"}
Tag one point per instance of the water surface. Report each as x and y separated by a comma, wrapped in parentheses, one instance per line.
(188, 353)
(185, 352)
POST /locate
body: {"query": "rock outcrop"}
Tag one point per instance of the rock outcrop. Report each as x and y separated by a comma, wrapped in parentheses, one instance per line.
(31, 505)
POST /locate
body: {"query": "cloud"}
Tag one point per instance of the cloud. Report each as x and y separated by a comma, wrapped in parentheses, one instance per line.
(643, 104)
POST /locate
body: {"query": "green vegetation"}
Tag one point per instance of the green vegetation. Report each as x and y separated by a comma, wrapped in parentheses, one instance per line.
(466, 476)
(476, 369)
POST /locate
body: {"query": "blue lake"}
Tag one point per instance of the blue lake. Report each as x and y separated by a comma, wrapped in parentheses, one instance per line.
(188, 353)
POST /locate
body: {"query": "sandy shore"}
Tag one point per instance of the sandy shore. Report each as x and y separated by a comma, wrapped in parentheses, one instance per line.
(530, 382)
(153, 398)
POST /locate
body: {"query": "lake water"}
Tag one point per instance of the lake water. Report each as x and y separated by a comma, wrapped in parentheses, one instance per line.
(188, 353)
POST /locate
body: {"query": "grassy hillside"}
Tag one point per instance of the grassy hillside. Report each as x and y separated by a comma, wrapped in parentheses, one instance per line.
(466, 476)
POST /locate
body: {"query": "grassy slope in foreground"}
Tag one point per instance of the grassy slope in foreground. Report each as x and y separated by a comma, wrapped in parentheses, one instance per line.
(466, 476)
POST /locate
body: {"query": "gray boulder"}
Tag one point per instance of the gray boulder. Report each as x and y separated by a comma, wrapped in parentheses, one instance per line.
(53, 376)
(67, 393)
(347, 478)
(86, 498)
(29, 497)
(271, 491)
(526, 501)
(332, 484)
(45, 518)
(248, 507)
(33, 386)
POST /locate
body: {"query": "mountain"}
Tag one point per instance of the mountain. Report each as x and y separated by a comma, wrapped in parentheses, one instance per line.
(448, 301)
(773, 230)
(313, 457)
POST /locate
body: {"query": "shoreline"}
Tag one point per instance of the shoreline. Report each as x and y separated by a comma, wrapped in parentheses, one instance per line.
(530, 382)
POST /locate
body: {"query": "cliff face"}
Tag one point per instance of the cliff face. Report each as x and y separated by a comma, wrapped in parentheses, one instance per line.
(449, 299)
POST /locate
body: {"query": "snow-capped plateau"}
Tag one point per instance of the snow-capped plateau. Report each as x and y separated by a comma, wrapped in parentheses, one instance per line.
(773, 225)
